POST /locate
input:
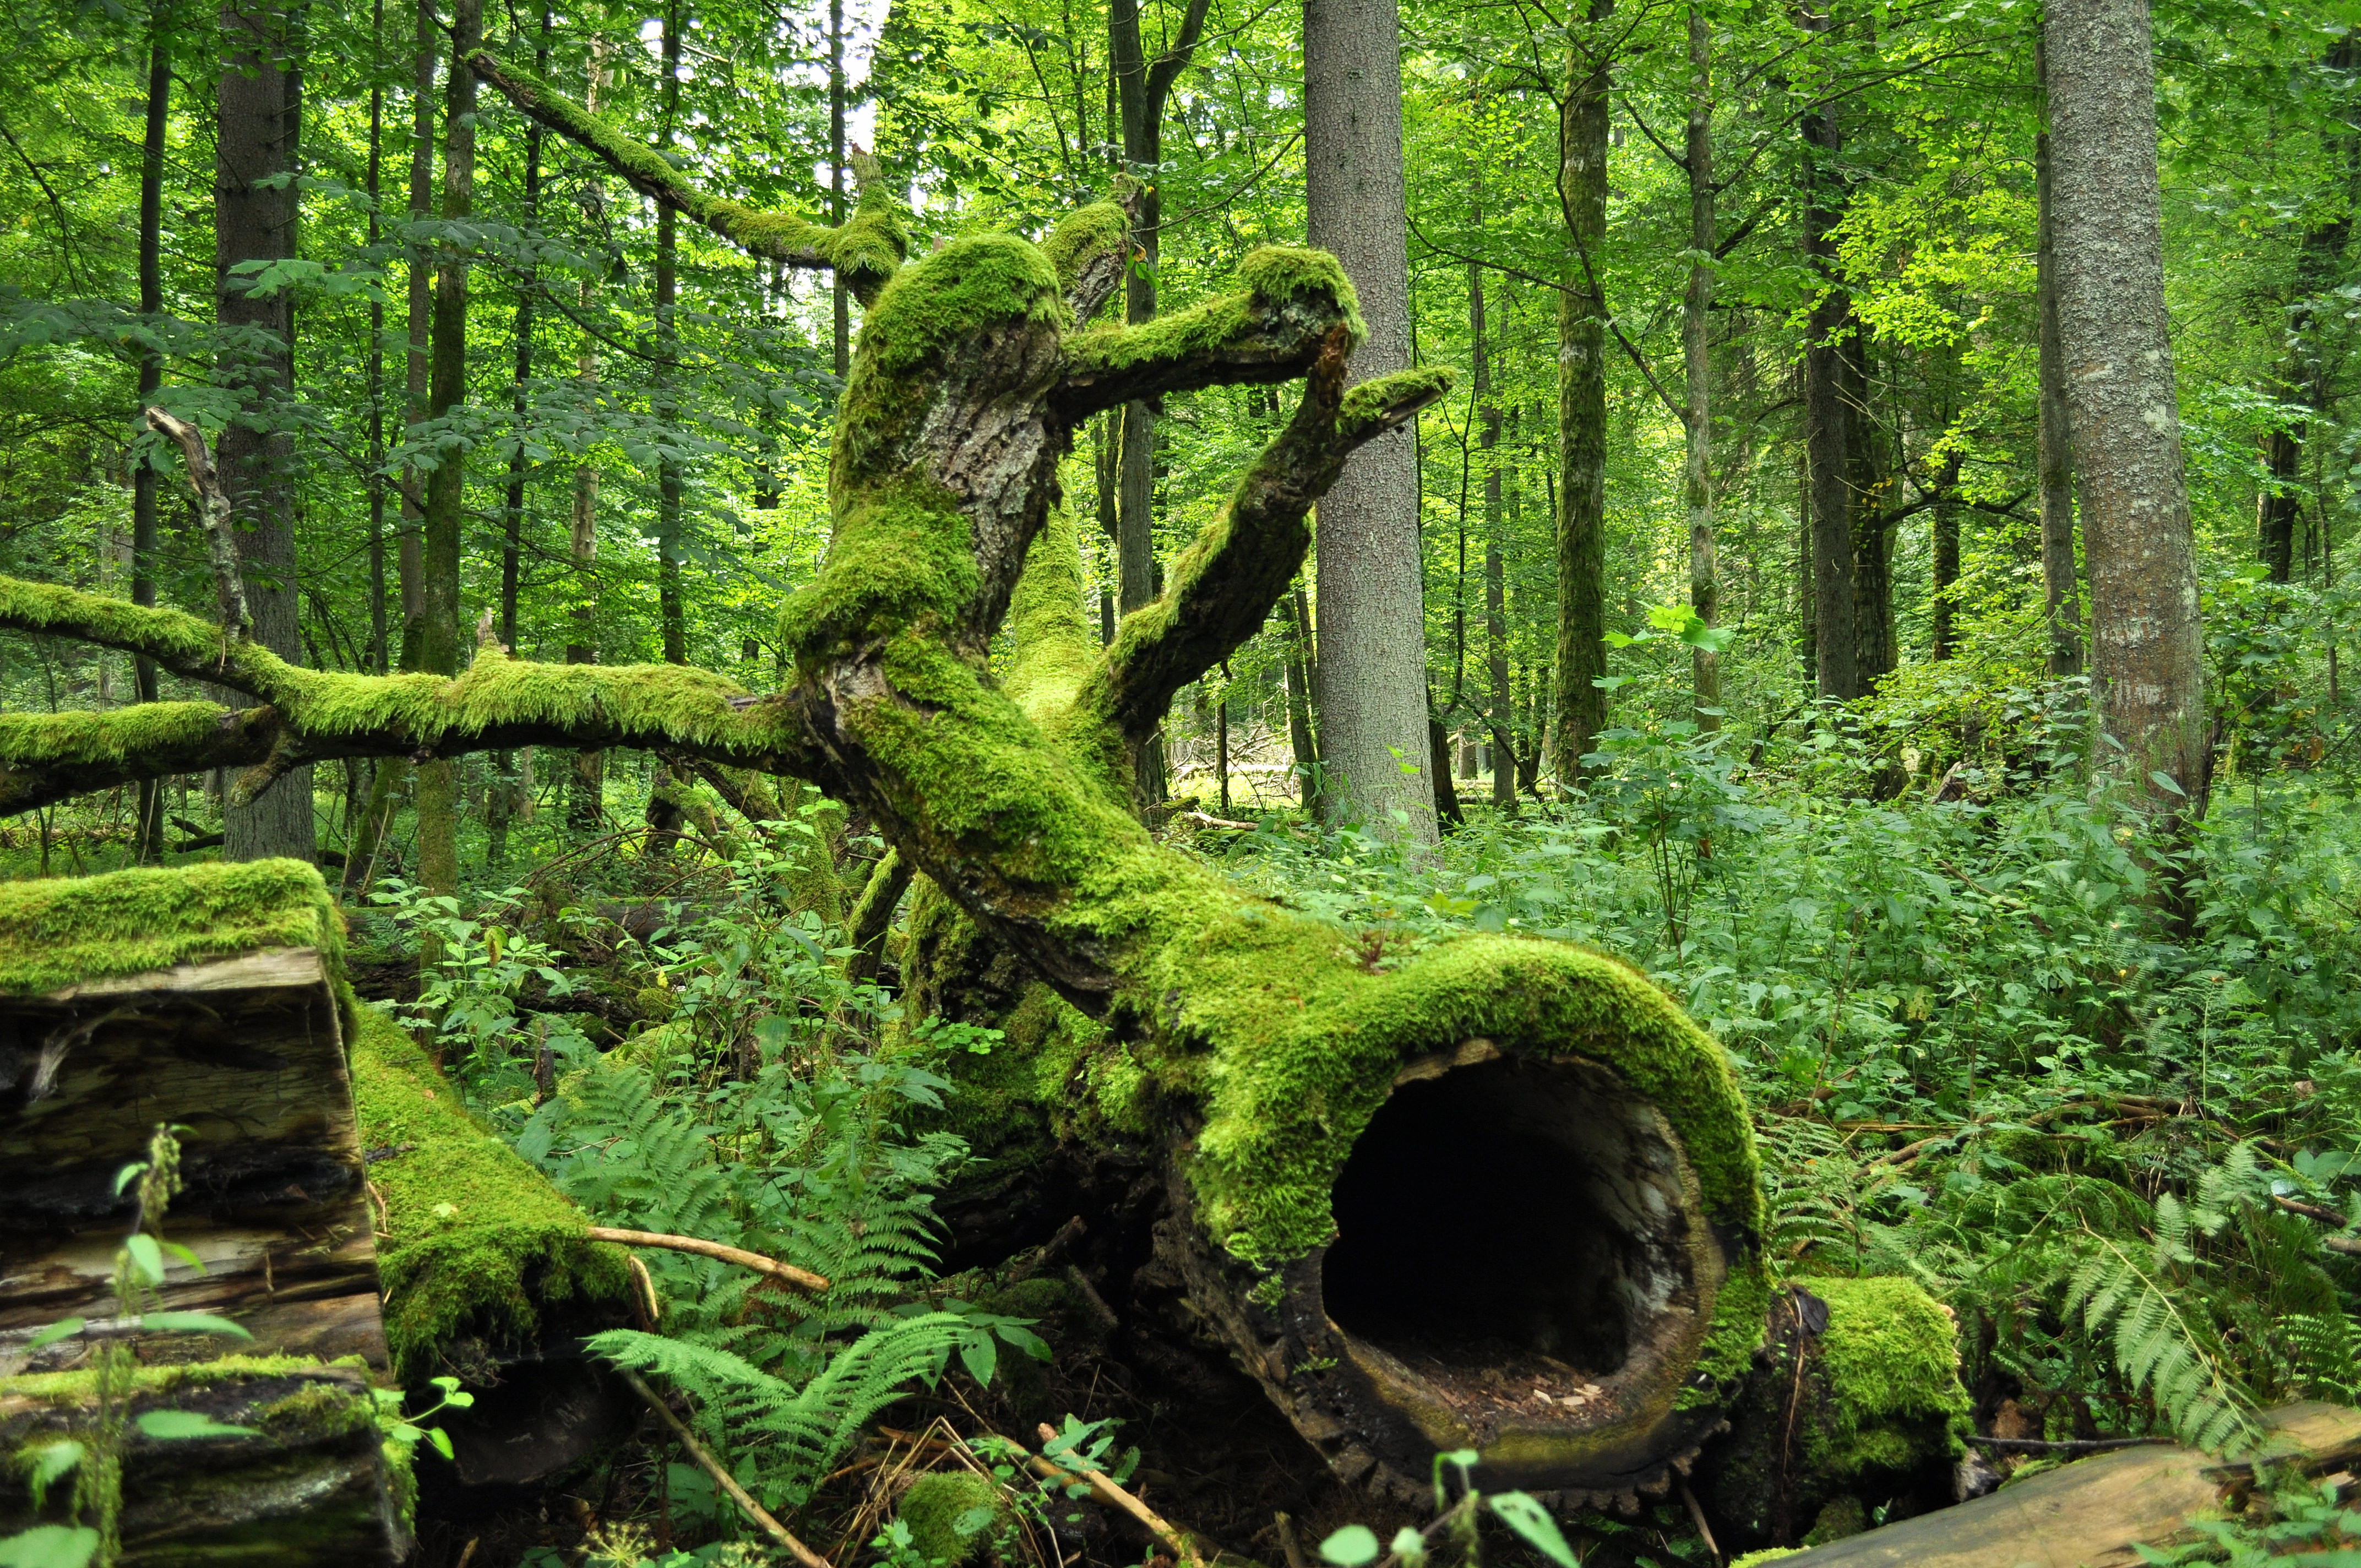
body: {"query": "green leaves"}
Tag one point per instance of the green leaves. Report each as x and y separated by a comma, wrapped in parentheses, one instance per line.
(49, 1546)
(1355, 1546)
(1521, 1512)
(191, 1323)
(173, 1426)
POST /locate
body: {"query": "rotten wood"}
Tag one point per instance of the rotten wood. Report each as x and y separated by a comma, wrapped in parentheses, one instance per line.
(2096, 1512)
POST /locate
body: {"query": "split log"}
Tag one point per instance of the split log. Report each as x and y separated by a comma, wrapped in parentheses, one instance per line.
(2095, 1513)
(310, 1481)
(207, 998)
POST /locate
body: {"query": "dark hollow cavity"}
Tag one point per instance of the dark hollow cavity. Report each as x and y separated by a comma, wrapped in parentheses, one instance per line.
(1510, 1211)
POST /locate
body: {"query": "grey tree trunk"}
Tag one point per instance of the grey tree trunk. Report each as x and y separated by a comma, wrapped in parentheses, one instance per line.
(1696, 362)
(259, 98)
(2146, 647)
(586, 789)
(1829, 421)
(1372, 680)
(670, 610)
(1582, 416)
(1500, 702)
(147, 845)
(2055, 464)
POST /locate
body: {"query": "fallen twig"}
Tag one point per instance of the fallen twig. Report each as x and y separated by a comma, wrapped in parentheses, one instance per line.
(801, 1278)
(722, 1479)
(2348, 1246)
(2070, 1445)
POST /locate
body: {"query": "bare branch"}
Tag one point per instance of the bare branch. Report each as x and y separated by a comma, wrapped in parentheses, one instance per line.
(214, 505)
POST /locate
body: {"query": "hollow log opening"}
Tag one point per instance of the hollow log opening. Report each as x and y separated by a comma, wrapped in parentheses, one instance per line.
(1517, 1253)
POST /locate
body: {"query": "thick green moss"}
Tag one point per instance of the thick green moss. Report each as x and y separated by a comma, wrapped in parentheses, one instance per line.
(953, 1515)
(68, 1390)
(1890, 1357)
(113, 736)
(1083, 234)
(481, 1245)
(54, 933)
(1739, 1321)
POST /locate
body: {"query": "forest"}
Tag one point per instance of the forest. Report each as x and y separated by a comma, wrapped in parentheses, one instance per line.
(1070, 784)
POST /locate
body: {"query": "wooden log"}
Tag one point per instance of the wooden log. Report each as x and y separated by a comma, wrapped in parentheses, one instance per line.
(2095, 1513)
(312, 1483)
(241, 1043)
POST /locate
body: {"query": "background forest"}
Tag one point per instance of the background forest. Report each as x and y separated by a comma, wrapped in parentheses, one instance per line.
(2089, 1071)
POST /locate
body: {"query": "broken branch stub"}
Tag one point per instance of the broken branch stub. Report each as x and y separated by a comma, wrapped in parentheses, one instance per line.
(213, 510)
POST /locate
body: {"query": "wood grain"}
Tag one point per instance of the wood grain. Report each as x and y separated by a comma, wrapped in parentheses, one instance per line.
(2094, 1512)
(246, 1055)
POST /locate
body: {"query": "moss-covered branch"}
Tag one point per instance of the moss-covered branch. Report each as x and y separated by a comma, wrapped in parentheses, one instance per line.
(1271, 330)
(1090, 246)
(1222, 587)
(865, 251)
(315, 714)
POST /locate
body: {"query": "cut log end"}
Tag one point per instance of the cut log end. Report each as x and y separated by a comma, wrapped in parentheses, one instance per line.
(1521, 1267)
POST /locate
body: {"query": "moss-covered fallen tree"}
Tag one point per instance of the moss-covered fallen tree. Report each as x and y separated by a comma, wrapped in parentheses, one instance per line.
(1499, 1194)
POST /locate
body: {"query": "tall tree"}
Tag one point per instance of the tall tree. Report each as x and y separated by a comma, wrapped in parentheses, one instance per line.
(585, 791)
(670, 610)
(2054, 460)
(2146, 647)
(438, 801)
(1500, 704)
(1827, 415)
(1582, 128)
(1697, 363)
(259, 96)
(149, 841)
(1142, 88)
(1373, 709)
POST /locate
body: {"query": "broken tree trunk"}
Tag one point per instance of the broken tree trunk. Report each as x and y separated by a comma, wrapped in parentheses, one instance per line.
(1275, 1088)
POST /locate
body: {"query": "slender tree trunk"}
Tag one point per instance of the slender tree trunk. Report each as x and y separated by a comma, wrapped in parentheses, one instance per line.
(255, 210)
(501, 803)
(2147, 646)
(438, 825)
(1947, 556)
(1302, 669)
(148, 838)
(1697, 361)
(1582, 415)
(380, 643)
(586, 789)
(1869, 488)
(410, 556)
(1828, 420)
(2061, 590)
(842, 302)
(1501, 703)
(1373, 710)
(671, 611)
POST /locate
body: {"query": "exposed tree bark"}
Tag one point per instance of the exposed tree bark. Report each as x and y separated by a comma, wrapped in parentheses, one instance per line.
(1582, 415)
(1829, 419)
(1295, 623)
(1696, 365)
(840, 303)
(585, 789)
(2062, 587)
(1947, 558)
(1371, 603)
(381, 646)
(1499, 711)
(147, 841)
(2146, 647)
(259, 100)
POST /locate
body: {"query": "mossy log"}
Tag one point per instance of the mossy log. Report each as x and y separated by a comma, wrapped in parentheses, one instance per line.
(312, 1480)
(206, 998)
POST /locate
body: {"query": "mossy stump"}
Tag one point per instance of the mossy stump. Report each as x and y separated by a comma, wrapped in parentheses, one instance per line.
(309, 1481)
(209, 998)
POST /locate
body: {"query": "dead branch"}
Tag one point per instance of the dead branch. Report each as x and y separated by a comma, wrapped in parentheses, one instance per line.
(722, 1479)
(213, 506)
(801, 1279)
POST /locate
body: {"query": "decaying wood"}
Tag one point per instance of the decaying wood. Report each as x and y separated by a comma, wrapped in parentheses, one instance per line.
(801, 1279)
(308, 1484)
(2095, 1513)
(247, 1054)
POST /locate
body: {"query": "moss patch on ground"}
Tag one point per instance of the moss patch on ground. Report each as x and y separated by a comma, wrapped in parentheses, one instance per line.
(55, 933)
(479, 1245)
(953, 1515)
